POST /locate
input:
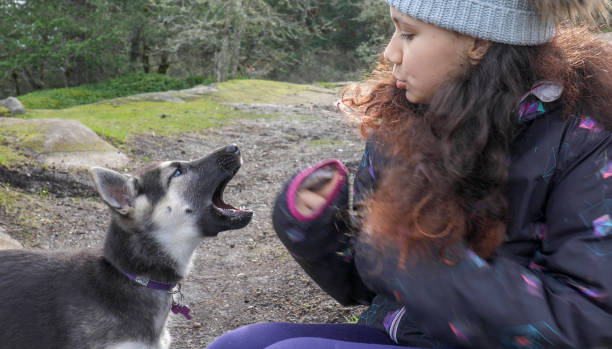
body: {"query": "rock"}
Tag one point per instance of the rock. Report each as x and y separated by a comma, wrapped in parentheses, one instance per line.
(13, 104)
(64, 143)
(200, 90)
(7, 242)
(160, 97)
(173, 96)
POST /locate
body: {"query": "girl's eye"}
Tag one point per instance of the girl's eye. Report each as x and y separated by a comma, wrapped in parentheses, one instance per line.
(406, 36)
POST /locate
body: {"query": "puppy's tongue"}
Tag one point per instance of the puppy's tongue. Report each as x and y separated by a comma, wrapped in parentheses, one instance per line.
(400, 84)
(219, 203)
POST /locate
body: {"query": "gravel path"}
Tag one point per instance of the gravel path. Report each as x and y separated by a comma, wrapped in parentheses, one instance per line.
(240, 277)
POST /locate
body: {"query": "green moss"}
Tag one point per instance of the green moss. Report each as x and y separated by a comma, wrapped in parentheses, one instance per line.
(4, 111)
(30, 136)
(33, 136)
(261, 91)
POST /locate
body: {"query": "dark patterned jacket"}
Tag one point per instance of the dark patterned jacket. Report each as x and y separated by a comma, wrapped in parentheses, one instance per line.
(550, 284)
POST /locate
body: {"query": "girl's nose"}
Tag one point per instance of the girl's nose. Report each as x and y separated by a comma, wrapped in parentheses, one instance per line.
(392, 52)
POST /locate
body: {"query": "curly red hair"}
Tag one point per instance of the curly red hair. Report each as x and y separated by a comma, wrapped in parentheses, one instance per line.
(446, 179)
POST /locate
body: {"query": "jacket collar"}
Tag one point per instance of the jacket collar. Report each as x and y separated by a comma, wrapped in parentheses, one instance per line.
(533, 101)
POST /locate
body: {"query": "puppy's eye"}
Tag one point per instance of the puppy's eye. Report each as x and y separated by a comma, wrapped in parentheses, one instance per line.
(177, 172)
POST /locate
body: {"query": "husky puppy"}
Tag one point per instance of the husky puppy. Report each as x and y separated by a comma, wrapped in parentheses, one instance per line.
(120, 297)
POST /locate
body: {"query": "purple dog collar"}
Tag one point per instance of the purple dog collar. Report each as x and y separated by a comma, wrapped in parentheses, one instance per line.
(146, 282)
(177, 306)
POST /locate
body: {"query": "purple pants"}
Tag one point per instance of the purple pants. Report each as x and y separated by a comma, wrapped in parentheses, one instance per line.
(276, 335)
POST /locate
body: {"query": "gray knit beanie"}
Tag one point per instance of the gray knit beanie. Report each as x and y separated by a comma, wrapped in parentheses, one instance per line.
(516, 22)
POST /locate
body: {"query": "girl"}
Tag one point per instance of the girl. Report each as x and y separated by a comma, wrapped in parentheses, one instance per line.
(480, 216)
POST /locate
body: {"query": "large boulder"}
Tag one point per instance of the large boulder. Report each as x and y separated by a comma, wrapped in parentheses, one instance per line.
(63, 143)
(7, 242)
(173, 96)
(13, 104)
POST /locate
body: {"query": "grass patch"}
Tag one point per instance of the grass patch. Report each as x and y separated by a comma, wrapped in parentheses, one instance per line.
(327, 143)
(126, 85)
(236, 91)
(4, 111)
(259, 91)
(7, 197)
(20, 206)
(328, 85)
(8, 156)
(118, 122)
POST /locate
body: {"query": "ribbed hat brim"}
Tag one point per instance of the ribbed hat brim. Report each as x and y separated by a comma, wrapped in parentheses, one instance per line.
(515, 22)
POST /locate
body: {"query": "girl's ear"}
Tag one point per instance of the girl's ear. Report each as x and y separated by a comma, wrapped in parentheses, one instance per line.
(477, 50)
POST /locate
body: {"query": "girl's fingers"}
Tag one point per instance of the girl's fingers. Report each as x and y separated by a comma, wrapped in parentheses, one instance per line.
(310, 200)
(328, 188)
(307, 202)
(319, 178)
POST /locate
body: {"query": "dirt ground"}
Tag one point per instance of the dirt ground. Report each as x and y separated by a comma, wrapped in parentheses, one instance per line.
(240, 277)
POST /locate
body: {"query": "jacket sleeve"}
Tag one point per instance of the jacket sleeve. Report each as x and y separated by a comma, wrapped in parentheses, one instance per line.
(561, 298)
(322, 243)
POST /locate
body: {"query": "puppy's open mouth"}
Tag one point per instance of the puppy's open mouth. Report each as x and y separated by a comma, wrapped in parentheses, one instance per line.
(225, 209)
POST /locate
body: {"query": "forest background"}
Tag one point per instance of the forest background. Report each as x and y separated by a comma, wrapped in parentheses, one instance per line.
(46, 44)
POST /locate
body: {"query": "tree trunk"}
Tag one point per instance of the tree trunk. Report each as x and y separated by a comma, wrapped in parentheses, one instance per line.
(36, 83)
(222, 58)
(135, 45)
(165, 63)
(16, 81)
(65, 73)
(235, 57)
(146, 58)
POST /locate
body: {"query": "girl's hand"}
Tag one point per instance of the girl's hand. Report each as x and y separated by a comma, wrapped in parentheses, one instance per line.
(315, 189)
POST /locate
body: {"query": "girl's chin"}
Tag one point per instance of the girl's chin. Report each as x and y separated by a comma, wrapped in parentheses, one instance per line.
(415, 98)
(411, 97)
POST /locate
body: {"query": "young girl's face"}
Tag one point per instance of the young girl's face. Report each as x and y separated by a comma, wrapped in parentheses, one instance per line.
(424, 56)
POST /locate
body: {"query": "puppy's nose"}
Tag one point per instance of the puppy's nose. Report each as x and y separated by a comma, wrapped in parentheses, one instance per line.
(232, 149)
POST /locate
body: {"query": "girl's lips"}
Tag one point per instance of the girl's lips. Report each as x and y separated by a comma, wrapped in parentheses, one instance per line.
(400, 84)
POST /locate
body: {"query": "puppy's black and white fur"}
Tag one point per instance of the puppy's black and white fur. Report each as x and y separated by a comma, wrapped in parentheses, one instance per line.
(84, 299)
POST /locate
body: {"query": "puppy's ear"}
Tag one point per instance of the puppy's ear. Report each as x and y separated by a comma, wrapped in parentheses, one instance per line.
(117, 190)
